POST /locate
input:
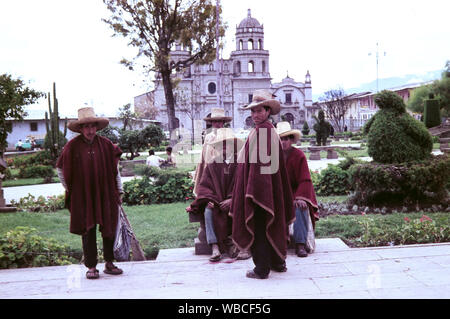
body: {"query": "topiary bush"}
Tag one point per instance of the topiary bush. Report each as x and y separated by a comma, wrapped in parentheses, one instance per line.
(45, 171)
(424, 182)
(431, 115)
(393, 135)
(333, 181)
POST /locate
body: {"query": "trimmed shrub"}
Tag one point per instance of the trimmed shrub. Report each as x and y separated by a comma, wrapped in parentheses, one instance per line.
(45, 171)
(431, 115)
(413, 182)
(393, 135)
(22, 247)
(305, 128)
(333, 181)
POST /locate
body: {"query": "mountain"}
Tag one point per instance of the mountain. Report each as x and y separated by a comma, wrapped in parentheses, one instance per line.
(391, 82)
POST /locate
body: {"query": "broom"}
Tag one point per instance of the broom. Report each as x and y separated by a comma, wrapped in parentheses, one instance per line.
(138, 253)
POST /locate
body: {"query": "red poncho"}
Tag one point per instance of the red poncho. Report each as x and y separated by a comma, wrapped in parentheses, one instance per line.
(300, 180)
(261, 179)
(90, 172)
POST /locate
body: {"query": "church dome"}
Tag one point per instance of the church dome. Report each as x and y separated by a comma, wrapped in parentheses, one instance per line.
(249, 22)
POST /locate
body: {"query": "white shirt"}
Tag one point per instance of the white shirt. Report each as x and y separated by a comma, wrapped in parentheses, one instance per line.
(154, 160)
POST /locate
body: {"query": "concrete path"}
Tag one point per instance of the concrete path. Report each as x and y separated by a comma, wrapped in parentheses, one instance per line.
(333, 271)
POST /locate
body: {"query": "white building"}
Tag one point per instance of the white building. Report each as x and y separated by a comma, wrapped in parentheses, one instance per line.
(246, 70)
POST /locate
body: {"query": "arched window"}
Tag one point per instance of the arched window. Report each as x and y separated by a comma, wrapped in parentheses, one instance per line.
(237, 67)
(251, 66)
(263, 66)
(260, 44)
(211, 67)
(241, 45)
(250, 44)
(289, 118)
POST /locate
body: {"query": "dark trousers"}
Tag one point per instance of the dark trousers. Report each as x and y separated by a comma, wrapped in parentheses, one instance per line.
(263, 254)
(90, 248)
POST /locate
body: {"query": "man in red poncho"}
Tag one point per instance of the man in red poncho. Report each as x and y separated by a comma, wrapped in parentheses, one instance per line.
(305, 202)
(214, 192)
(262, 198)
(88, 169)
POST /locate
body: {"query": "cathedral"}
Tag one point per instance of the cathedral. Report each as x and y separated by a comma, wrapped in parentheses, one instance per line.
(247, 69)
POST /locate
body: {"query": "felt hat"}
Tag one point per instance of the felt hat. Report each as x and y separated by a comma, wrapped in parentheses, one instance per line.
(218, 114)
(264, 98)
(284, 129)
(87, 115)
(225, 134)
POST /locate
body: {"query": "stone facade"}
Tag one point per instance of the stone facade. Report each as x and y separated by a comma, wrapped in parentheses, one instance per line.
(245, 71)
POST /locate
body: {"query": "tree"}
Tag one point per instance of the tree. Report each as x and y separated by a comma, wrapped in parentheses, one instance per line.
(336, 104)
(154, 26)
(127, 116)
(416, 102)
(111, 133)
(14, 95)
(441, 90)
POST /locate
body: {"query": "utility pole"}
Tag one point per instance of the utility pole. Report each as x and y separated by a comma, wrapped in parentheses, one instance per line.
(377, 57)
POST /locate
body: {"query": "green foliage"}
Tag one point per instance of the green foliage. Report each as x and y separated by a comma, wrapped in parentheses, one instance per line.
(416, 102)
(22, 247)
(322, 128)
(14, 95)
(132, 141)
(393, 135)
(412, 182)
(432, 116)
(305, 128)
(415, 231)
(109, 133)
(45, 171)
(162, 186)
(152, 135)
(54, 139)
(40, 204)
(333, 181)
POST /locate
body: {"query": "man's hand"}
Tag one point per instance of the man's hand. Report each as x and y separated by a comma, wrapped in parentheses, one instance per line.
(120, 198)
(225, 205)
(189, 209)
(300, 203)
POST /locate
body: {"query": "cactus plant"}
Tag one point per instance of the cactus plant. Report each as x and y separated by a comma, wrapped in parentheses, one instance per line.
(55, 139)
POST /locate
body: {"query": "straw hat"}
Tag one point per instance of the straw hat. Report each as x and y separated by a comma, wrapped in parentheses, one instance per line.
(87, 115)
(224, 134)
(264, 98)
(218, 114)
(284, 129)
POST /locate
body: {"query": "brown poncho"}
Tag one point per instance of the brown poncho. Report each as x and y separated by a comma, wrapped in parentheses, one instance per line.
(216, 185)
(261, 179)
(300, 180)
(90, 172)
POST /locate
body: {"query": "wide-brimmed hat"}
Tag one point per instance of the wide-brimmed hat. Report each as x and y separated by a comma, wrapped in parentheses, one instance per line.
(284, 129)
(87, 115)
(225, 134)
(218, 114)
(264, 98)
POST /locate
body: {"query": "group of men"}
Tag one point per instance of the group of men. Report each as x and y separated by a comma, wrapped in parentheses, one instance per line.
(248, 192)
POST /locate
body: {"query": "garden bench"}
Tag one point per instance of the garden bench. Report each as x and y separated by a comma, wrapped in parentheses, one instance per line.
(315, 152)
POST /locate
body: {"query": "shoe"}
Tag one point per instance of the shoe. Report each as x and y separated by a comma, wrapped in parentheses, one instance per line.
(300, 250)
(215, 258)
(111, 269)
(92, 274)
(254, 275)
(243, 255)
(279, 268)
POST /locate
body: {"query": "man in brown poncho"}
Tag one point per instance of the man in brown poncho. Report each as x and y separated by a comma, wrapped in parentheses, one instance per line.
(262, 198)
(214, 192)
(88, 171)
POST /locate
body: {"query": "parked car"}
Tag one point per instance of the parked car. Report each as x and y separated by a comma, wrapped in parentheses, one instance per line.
(39, 143)
(24, 145)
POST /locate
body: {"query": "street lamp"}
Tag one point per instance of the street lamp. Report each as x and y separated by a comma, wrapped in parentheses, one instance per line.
(384, 54)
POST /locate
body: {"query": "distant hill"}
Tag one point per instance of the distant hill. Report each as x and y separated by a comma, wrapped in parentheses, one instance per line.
(388, 83)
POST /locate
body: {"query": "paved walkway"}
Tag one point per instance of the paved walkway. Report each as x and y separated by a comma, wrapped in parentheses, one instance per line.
(333, 271)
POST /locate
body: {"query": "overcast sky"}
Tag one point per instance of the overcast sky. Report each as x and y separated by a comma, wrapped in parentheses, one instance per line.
(66, 42)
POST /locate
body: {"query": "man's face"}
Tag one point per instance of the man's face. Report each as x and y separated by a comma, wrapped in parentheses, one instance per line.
(286, 142)
(89, 131)
(260, 114)
(217, 124)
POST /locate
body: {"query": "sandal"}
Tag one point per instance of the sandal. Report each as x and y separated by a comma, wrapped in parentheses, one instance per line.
(92, 274)
(215, 258)
(112, 270)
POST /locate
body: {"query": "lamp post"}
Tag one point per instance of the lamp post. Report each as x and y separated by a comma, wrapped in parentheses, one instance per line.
(377, 57)
(218, 62)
